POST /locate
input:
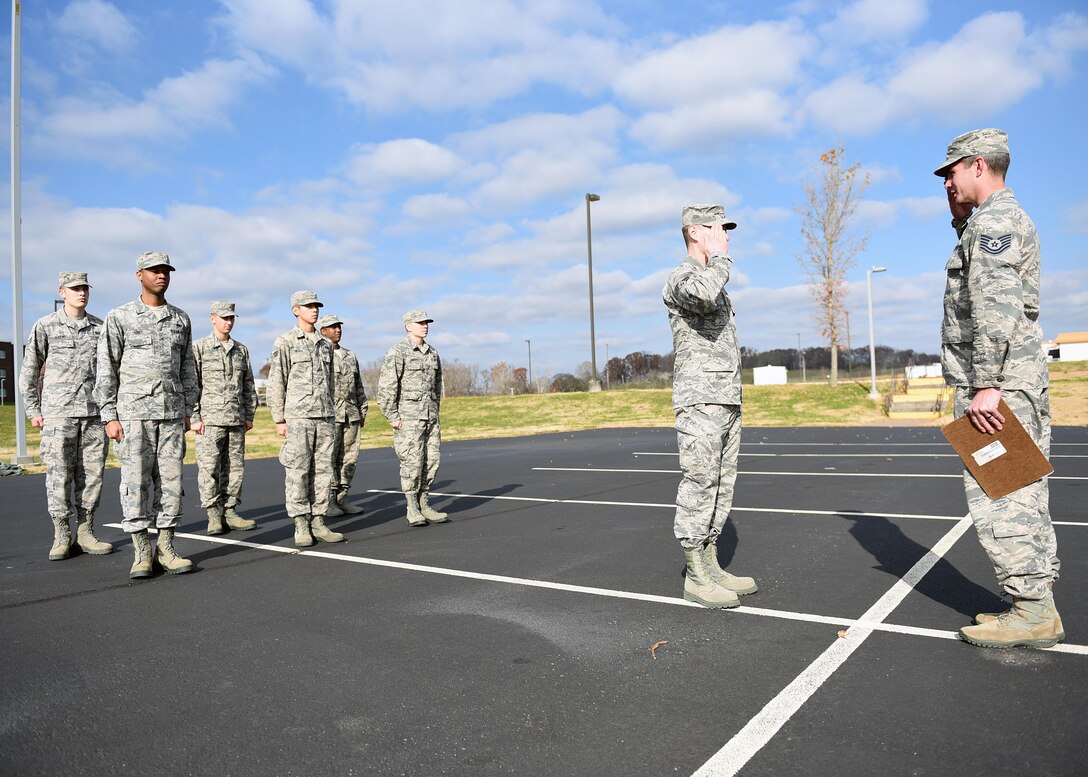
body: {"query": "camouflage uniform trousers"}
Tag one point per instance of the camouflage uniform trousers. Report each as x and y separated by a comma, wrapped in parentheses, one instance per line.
(74, 453)
(1015, 530)
(151, 455)
(220, 461)
(306, 457)
(416, 444)
(345, 453)
(708, 437)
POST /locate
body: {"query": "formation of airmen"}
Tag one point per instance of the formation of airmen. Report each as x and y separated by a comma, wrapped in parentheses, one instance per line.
(150, 382)
(138, 379)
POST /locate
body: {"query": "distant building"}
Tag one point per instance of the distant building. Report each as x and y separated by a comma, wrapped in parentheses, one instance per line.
(1070, 347)
(7, 373)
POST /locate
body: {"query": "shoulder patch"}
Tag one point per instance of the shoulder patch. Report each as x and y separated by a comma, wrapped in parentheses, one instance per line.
(995, 245)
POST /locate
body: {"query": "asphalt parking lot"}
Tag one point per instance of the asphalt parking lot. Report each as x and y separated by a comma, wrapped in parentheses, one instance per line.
(517, 638)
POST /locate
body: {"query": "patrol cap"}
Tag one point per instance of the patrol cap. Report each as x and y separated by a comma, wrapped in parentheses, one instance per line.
(978, 142)
(329, 320)
(153, 259)
(223, 309)
(708, 215)
(416, 317)
(68, 280)
(306, 298)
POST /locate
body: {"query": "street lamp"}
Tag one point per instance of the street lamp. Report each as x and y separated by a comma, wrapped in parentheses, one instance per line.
(529, 343)
(594, 384)
(872, 342)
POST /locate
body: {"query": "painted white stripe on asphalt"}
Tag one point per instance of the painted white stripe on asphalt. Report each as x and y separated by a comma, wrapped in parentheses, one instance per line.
(759, 730)
(672, 506)
(609, 592)
(783, 474)
(884, 444)
(889, 455)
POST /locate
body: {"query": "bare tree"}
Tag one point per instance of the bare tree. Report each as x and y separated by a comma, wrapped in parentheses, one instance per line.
(502, 378)
(830, 242)
(369, 373)
(459, 378)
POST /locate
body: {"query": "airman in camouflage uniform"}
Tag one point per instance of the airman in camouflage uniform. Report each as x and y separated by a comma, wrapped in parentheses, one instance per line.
(300, 397)
(706, 398)
(349, 414)
(59, 402)
(146, 388)
(409, 393)
(221, 418)
(991, 349)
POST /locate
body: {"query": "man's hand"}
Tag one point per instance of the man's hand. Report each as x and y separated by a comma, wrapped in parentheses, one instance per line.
(37, 421)
(281, 429)
(983, 411)
(249, 425)
(397, 424)
(198, 427)
(115, 431)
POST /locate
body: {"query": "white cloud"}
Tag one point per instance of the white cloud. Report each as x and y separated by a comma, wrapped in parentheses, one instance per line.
(867, 20)
(89, 25)
(717, 120)
(765, 56)
(942, 81)
(883, 213)
(104, 126)
(407, 160)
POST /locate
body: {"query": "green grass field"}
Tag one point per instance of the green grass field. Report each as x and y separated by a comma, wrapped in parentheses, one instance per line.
(470, 418)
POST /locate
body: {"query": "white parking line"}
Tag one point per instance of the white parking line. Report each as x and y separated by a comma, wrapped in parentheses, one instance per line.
(581, 589)
(782, 474)
(889, 455)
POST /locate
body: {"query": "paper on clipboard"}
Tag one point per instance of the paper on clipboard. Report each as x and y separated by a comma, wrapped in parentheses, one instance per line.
(1002, 462)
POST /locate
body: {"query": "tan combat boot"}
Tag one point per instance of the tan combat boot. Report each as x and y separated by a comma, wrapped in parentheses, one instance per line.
(334, 510)
(1030, 623)
(343, 503)
(215, 521)
(738, 585)
(168, 558)
(85, 535)
(428, 512)
(141, 547)
(303, 539)
(237, 522)
(62, 539)
(700, 587)
(988, 617)
(322, 532)
(414, 516)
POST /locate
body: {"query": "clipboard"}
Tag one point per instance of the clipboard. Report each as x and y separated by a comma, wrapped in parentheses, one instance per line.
(1002, 462)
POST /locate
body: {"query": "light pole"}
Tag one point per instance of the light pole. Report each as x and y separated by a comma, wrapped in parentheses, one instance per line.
(529, 343)
(607, 384)
(872, 342)
(594, 384)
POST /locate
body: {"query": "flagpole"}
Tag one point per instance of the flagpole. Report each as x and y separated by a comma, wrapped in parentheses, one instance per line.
(17, 240)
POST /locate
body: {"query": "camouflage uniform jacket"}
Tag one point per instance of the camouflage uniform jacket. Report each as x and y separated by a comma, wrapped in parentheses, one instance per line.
(990, 336)
(410, 384)
(228, 396)
(145, 364)
(68, 348)
(349, 397)
(704, 338)
(300, 377)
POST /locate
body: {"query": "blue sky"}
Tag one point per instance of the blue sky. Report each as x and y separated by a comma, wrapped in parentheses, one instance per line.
(425, 153)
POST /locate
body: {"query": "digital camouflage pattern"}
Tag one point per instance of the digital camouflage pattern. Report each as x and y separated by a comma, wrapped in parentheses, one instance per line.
(151, 455)
(299, 393)
(73, 438)
(228, 399)
(1016, 531)
(146, 379)
(145, 366)
(67, 348)
(990, 335)
(708, 437)
(706, 395)
(707, 365)
(350, 406)
(410, 390)
(976, 143)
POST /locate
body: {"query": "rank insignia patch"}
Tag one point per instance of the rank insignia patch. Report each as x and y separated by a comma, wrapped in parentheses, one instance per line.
(995, 245)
